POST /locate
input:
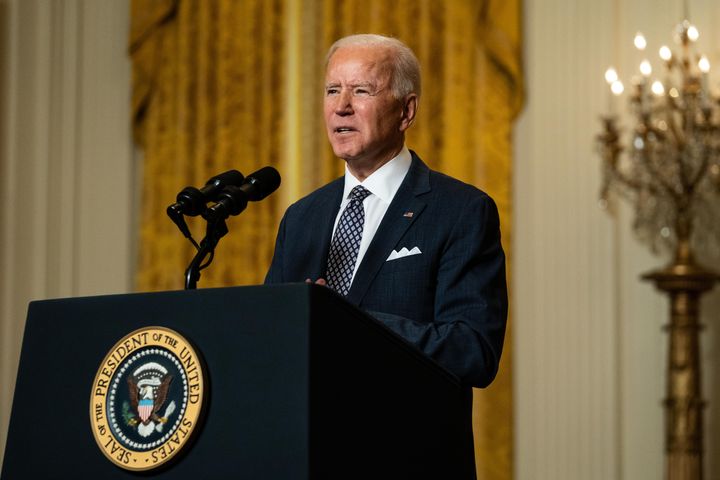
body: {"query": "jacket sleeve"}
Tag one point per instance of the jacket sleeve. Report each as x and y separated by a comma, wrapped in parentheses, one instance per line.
(470, 312)
(275, 272)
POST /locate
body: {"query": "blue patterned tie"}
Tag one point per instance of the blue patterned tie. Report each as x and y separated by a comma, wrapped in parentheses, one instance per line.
(346, 242)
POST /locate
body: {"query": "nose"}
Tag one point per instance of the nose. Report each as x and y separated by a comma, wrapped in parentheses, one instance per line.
(343, 103)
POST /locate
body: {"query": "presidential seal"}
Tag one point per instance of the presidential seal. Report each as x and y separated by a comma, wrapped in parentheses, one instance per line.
(147, 398)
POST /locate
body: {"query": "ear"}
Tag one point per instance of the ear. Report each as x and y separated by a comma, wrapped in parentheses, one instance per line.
(409, 109)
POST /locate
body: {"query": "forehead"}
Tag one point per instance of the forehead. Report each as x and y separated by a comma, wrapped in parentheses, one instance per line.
(359, 63)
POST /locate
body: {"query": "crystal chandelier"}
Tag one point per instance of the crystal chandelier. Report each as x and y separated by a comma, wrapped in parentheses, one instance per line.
(669, 167)
(669, 170)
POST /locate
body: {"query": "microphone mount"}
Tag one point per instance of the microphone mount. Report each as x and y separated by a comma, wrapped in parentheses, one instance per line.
(231, 192)
(193, 201)
(215, 230)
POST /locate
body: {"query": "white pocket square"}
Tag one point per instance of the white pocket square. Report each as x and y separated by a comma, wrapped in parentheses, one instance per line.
(404, 252)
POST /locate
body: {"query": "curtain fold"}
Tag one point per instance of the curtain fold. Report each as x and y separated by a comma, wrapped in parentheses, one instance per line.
(208, 94)
(222, 84)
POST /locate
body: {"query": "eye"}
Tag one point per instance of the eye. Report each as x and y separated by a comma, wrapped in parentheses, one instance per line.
(331, 91)
(361, 92)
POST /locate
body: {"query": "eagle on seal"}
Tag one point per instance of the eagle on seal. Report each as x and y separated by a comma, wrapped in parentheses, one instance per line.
(148, 390)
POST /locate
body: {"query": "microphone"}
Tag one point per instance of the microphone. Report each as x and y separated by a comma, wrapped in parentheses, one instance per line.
(233, 199)
(192, 201)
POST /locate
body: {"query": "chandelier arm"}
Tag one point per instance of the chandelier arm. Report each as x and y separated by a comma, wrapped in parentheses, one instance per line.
(658, 177)
(624, 193)
(679, 143)
(678, 136)
(662, 186)
(709, 131)
(701, 172)
(690, 132)
(633, 184)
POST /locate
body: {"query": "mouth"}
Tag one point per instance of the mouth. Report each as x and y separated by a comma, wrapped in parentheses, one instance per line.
(344, 130)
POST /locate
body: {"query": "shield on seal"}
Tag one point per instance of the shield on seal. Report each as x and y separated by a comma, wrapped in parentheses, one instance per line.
(145, 409)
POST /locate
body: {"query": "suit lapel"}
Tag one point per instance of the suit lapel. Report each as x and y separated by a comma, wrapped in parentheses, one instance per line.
(323, 213)
(392, 227)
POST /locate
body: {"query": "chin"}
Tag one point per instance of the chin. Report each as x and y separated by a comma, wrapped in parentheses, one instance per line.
(345, 153)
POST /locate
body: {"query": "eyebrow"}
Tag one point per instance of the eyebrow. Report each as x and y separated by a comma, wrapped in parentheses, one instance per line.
(352, 85)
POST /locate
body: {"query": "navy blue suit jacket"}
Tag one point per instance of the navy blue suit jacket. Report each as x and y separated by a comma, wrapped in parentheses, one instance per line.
(450, 301)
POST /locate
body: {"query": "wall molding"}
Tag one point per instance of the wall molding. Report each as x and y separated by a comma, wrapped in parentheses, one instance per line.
(66, 159)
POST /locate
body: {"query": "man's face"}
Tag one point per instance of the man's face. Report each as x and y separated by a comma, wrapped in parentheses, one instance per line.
(364, 121)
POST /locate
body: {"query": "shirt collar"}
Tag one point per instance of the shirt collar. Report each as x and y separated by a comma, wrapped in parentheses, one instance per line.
(385, 181)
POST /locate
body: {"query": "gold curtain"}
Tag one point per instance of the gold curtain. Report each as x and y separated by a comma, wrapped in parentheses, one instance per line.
(220, 84)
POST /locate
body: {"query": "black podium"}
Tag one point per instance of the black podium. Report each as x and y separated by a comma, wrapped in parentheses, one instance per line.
(301, 385)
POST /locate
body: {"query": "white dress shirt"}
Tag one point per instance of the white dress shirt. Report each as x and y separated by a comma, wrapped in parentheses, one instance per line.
(383, 184)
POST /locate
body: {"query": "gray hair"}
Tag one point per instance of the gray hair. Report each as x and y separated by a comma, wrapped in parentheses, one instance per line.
(405, 65)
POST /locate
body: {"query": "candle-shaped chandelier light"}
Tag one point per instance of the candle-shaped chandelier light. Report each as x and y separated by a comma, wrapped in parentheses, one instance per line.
(669, 165)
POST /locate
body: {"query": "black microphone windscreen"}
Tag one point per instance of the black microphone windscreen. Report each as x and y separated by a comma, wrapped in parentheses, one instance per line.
(262, 183)
(231, 177)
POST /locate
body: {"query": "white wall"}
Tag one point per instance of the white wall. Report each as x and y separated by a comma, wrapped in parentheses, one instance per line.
(66, 170)
(590, 353)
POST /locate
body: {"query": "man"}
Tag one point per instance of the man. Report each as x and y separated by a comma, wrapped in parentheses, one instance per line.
(417, 249)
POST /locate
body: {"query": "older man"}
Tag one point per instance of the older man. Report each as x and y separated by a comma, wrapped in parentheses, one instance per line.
(417, 249)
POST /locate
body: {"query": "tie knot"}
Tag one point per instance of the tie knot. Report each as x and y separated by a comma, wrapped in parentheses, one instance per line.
(359, 193)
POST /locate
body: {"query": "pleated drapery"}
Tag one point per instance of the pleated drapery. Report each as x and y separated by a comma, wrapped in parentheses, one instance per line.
(221, 84)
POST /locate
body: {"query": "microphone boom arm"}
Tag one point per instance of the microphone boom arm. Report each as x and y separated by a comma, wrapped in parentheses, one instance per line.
(215, 231)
